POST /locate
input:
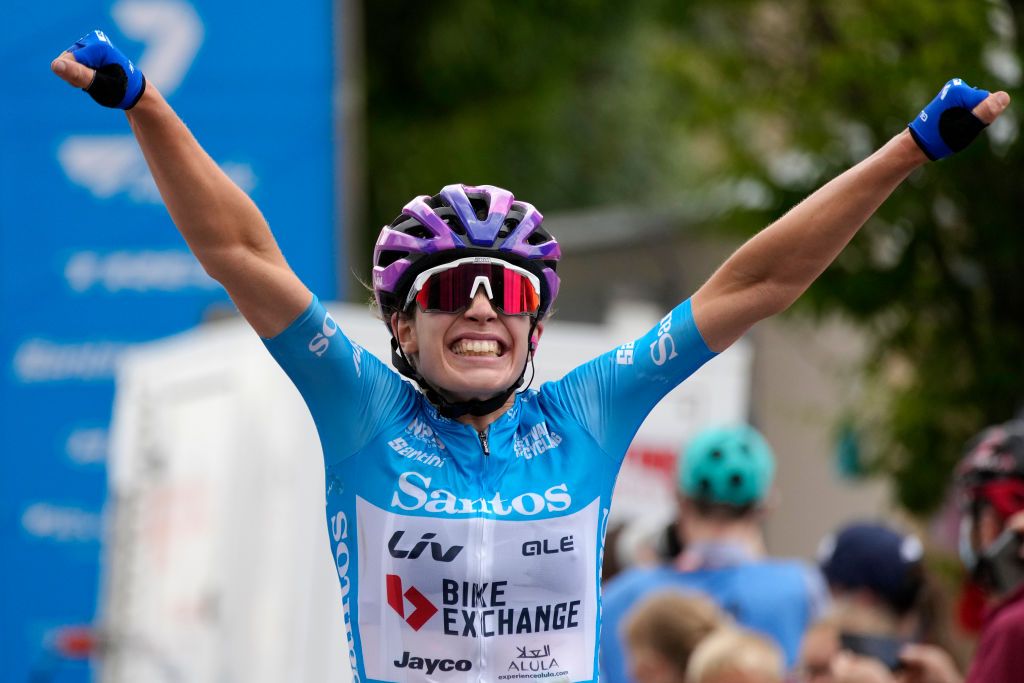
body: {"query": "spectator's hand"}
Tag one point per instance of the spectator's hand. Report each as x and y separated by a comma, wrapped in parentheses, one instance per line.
(95, 65)
(955, 117)
(927, 664)
(850, 668)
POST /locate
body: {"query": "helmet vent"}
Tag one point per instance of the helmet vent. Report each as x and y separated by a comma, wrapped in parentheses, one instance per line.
(716, 454)
(451, 220)
(704, 485)
(418, 231)
(538, 237)
(388, 257)
(479, 208)
(736, 480)
(403, 220)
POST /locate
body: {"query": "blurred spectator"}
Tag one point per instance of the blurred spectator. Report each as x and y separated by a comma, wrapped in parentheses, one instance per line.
(736, 655)
(882, 605)
(642, 543)
(990, 484)
(663, 631)
(725, 476)
(611, 563)
(826, 657)
(818, 650)
(876, 578)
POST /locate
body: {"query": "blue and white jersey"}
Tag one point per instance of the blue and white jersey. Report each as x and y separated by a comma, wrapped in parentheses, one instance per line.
(467, 556)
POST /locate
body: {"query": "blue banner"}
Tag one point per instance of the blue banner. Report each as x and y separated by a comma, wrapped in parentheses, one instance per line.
(92, 264)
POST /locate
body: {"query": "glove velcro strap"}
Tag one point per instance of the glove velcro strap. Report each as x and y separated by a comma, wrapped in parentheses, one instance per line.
(110, 85)
(958, 127)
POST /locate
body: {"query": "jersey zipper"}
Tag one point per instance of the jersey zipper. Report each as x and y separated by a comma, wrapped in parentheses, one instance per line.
(482, 558)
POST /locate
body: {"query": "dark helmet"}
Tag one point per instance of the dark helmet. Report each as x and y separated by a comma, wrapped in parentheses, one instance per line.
(992, 469)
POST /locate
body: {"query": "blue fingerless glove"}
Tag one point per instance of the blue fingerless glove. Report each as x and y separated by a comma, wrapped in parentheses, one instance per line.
(118, 84)
(947, 125)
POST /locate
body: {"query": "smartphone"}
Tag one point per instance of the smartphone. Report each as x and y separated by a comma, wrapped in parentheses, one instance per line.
(883, 648)
(1001, 564)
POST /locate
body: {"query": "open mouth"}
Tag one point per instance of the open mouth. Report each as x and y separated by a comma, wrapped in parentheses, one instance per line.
(480, 348)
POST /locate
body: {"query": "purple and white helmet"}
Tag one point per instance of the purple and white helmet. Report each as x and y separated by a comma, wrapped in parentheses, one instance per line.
(461, 221)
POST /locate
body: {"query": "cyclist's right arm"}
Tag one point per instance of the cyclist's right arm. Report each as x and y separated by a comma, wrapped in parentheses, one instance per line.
(221, 224)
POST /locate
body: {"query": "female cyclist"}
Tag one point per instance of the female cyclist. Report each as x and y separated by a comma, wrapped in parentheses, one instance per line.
(467, 519)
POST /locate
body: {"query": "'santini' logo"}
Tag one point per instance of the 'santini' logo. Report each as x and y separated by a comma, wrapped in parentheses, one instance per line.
(423, 608)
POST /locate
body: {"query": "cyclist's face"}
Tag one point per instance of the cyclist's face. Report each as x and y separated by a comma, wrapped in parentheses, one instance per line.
(472, 354)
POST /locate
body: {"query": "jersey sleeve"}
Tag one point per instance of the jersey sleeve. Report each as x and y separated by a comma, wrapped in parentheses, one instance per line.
(350, 393)
(612, 394)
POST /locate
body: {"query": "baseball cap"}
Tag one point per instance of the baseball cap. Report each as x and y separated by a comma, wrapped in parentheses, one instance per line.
(876, 557)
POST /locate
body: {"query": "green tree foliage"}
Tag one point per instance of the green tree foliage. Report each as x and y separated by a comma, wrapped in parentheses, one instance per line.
(584, 103)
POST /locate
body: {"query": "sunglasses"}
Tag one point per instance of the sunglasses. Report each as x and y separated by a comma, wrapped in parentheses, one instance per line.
(451, 287)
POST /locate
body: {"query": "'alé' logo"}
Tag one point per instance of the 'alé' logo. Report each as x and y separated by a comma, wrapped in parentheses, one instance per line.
(545, 547)
(436, 550)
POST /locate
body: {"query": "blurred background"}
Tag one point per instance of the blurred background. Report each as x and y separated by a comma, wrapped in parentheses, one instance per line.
(655, 136)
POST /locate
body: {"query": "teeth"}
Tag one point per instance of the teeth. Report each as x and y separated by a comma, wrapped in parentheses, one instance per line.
(476, 347)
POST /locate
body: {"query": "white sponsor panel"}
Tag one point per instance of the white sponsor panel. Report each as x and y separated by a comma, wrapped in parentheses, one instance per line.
(524, 599)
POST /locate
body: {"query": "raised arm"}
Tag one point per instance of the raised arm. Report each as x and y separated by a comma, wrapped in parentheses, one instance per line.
(772, 269)
(221, 224)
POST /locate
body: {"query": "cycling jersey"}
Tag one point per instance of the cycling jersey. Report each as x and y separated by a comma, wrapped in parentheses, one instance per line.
(467, 556)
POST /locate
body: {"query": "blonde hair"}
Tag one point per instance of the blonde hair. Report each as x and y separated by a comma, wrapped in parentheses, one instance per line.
(672, 624)
(734, 650)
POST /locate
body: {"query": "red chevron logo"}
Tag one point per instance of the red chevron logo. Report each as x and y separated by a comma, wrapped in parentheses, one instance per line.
(423, 609)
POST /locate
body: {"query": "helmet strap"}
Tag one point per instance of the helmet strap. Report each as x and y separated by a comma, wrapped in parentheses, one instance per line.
(456, 409)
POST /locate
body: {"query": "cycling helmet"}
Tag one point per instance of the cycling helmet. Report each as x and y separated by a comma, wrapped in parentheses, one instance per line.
(461, 221)
(730, 465)
(992, 469)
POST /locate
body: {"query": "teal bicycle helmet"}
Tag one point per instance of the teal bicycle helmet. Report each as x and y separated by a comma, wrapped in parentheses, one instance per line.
(727, 465)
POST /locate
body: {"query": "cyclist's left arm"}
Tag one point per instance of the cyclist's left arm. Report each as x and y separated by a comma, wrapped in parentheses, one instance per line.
(768, 273)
